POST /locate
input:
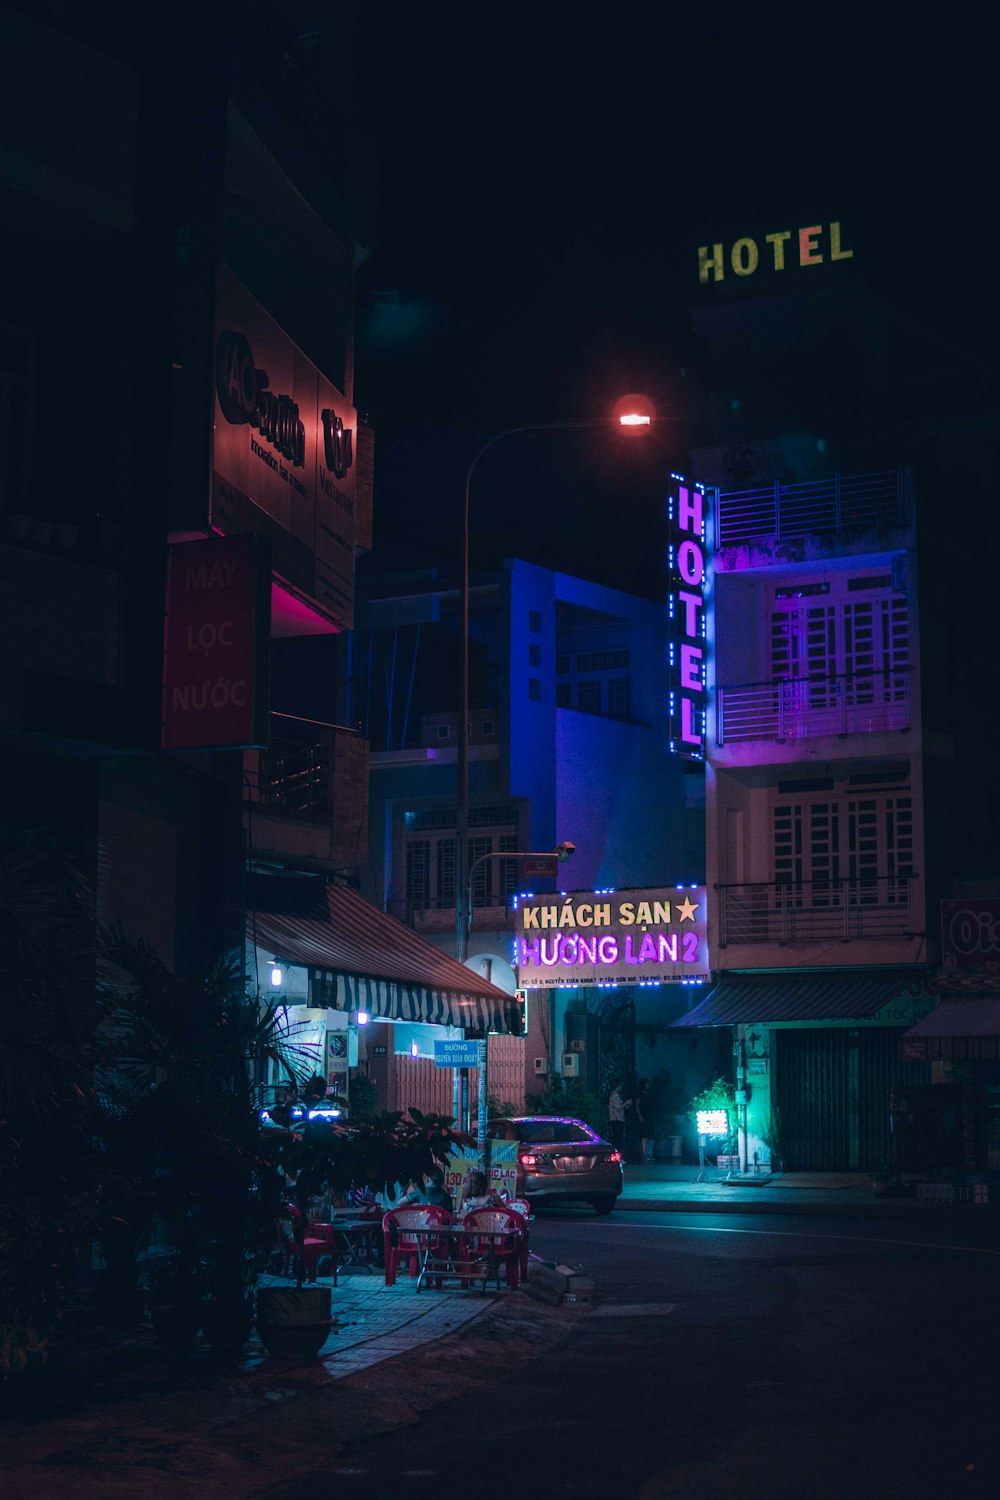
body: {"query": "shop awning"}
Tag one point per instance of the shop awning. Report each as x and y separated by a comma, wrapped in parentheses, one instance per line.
(966, 1028)
(819, 997)
(363, 959)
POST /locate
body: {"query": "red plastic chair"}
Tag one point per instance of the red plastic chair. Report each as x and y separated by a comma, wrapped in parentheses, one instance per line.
(523, 1241)
(484, 1248)
(399, 1246)
(309, 1250)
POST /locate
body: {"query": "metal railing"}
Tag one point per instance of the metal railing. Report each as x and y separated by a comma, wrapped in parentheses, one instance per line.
(805, 707)
(296, 776)
(809, 911)
(847, 502)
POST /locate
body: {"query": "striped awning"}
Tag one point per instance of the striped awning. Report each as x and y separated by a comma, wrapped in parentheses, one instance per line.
(820, 997)
(363, 959)
(965, 1028)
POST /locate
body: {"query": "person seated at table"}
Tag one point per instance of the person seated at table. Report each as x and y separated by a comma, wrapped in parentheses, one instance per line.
(480, 1194)
(433, 1190)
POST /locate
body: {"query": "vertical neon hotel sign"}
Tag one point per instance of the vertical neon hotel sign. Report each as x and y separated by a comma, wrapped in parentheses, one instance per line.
(688, 583)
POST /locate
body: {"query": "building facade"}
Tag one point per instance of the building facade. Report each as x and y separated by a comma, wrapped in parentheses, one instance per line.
(568, 743)
(179, 582)
(852, 711)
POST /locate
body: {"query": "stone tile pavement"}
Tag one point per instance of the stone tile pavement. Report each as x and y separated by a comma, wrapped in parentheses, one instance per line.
(374, 1322)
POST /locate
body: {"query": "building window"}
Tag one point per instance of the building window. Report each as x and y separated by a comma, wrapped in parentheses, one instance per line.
(444, 731)
(418, 872)
(535, 621)
(862, 641)
(535, 689)
(863, 845)
(617, 697)
(430, 861)
(595, 682)
(588, 696)
(534, 655)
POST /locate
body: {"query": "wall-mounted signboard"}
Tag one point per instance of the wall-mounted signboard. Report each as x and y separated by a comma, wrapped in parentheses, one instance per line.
(283, 452)
(654, 936)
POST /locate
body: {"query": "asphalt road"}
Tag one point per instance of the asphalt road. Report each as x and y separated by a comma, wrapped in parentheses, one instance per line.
(789, 1358)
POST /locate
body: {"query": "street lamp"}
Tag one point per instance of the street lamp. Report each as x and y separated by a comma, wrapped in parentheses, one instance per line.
(632, 415)
(561, 852)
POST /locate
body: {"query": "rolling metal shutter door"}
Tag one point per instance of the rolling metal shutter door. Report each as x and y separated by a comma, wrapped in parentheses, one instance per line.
(833, 1095)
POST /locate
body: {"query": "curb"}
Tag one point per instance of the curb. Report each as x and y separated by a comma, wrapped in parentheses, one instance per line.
(876, 1208)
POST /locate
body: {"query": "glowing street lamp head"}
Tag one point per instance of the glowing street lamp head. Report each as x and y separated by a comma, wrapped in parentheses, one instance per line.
(277, 975)
(634, 414)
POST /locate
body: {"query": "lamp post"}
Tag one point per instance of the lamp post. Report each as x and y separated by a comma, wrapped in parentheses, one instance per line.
(632, 414)
(561, 852)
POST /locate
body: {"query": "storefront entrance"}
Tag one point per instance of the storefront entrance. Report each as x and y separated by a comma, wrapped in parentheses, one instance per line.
(833, 1091)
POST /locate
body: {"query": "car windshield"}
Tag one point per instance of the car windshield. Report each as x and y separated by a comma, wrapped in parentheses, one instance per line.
(537, 1131)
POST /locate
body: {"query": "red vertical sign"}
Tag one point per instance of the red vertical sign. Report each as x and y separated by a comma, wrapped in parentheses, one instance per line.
(216, 644)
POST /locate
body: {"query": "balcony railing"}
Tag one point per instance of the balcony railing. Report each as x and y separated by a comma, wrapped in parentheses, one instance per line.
(811, 911)
(305, 776)
(804, 708)
(847, 502)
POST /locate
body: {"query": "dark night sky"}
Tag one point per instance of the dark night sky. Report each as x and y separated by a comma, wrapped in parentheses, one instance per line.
(543, 186)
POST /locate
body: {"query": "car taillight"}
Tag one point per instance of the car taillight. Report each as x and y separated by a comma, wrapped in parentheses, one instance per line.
(615, 1156)
(527, 1161)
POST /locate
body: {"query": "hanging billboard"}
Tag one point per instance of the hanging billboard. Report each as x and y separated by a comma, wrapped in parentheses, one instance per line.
(215, 644)
(283, 453)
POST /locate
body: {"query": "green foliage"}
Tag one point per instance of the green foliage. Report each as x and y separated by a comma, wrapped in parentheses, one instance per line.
(377, 1154)
(719, 1095)
(570, 1099)
(364, 1097)
(502, 1108)
(49, 1037)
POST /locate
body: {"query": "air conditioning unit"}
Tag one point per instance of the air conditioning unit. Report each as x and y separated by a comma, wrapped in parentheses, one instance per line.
(571, 1064)
(541, 1065)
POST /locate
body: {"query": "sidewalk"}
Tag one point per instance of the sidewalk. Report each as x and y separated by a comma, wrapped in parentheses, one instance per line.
(664, 1188)
(371, 1323)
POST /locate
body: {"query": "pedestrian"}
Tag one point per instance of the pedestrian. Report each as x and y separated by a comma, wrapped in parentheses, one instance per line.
(639, 1116)
(644, 1120)
(480, 1194)
(432, 1192)
(616, 1116)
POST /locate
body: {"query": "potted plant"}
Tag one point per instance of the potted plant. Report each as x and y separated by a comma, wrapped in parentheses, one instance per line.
(380, 1154)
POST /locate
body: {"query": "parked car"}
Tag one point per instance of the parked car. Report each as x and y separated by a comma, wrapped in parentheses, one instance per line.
(561, 1160)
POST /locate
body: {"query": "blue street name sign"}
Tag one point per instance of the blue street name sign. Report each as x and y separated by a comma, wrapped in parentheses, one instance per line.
(456, 1054)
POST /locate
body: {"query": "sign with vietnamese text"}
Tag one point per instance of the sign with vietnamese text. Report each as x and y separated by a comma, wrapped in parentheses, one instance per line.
(456, 1054)
(216, 644)
(970, 936)
(612, 937)
(283, 452)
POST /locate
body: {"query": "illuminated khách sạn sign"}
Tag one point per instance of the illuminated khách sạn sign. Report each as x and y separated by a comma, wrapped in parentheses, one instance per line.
(612, 937)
